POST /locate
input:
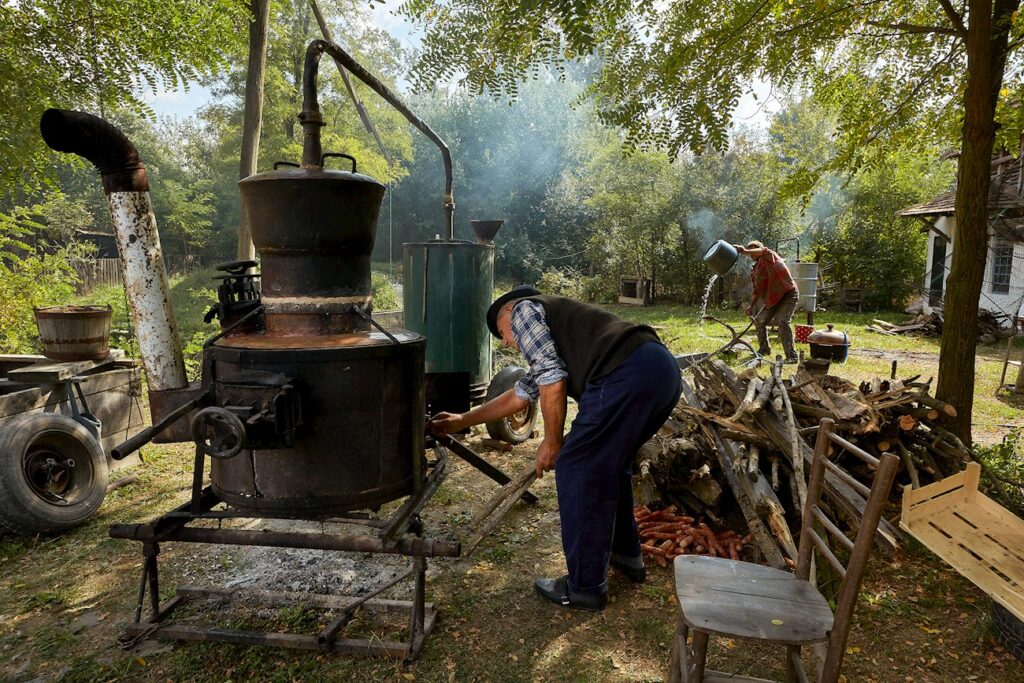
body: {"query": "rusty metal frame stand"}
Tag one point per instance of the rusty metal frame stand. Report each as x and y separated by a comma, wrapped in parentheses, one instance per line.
(391, 537)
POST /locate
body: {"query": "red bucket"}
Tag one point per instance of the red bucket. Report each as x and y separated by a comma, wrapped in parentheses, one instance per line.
(803, 332)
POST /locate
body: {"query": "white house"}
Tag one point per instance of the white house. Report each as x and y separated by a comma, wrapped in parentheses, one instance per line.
(1003, 287)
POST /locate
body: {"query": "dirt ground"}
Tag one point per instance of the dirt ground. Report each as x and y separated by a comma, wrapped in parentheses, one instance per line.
(63, 602)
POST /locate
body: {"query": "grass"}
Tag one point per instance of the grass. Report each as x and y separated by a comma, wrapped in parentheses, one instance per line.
(917, 619)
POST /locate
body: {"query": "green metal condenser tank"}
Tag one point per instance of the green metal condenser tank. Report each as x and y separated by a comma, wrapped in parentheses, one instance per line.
(447, 287)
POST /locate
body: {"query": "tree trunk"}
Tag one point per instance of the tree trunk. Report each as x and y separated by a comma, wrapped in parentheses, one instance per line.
(253, 118)
(986, 61)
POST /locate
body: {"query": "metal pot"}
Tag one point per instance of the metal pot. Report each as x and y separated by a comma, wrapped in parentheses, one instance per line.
(721, 257)
(829, 344)
(314, 230)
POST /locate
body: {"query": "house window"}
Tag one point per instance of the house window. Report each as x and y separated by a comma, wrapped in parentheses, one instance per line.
(1002, 265)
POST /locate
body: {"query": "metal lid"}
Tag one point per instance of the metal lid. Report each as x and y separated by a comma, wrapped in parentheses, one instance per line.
(313, 174)
(829, 337)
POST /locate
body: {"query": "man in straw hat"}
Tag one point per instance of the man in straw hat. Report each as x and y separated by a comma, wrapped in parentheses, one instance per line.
(626, 384)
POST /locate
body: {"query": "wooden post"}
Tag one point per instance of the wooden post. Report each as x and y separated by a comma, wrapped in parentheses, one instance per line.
(1019, 384)
(252, 120)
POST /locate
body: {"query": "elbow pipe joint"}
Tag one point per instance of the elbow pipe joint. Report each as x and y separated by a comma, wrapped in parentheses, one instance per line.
(99, 142)
(312, 120)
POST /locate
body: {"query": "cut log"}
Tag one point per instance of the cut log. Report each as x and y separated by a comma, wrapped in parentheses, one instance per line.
(794, 436)
(907, 422)
(933, 402)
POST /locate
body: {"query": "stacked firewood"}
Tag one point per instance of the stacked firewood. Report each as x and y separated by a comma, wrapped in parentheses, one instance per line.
(992, 325)
(665, 535)
(739, 445)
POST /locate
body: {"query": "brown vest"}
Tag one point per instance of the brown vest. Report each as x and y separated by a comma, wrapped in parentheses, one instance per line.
(590, 340)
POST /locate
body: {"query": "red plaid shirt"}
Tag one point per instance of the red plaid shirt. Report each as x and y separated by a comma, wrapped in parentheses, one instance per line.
(771, 278)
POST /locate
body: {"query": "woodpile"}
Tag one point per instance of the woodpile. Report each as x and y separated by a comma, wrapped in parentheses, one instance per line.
(991, 326)
(738, 447)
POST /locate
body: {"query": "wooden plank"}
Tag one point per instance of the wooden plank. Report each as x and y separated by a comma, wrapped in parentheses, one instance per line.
(34, 397)
(980, 574)
(985, 541)
(780, 620)
(952, 484)
(44, 373)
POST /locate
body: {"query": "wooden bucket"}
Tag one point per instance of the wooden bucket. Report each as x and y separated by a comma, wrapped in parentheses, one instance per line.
(74, 332)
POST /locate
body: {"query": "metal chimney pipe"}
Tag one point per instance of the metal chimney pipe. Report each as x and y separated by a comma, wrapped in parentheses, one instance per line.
(138, 242)
(311, 119)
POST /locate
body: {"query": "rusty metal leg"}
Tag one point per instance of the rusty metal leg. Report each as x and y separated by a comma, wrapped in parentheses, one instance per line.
(142, 590)
(150, 551)
(197, 483)
(418, 608)
(467, 454)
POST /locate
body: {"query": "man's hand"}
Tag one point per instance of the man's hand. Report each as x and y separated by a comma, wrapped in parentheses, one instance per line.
(445, 423)
(750, 310)
(547, 453)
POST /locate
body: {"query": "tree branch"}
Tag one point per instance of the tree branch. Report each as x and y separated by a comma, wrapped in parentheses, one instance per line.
(904, 27)
(954, 17)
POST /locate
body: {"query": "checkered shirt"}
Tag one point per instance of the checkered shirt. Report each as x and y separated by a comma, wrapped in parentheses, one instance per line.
(532, 334)
(771, 278)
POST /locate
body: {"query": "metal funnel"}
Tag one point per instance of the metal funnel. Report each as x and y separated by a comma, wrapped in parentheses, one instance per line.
(486, 230)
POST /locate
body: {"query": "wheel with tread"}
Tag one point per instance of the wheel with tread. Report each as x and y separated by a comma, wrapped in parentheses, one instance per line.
(1009, 630)
(53, 474)
(514, 428)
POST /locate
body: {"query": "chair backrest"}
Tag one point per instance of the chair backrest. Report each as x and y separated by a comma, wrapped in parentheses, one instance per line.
(859, 548)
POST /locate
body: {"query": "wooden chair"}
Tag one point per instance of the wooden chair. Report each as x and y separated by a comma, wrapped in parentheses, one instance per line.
(744, 600)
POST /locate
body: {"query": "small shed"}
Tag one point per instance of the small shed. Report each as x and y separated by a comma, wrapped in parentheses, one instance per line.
(1003, 286)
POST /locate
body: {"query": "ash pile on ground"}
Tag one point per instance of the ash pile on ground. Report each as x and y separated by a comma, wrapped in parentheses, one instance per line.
(311, 571)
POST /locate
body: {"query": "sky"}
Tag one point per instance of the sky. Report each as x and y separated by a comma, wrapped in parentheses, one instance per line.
(751, 112)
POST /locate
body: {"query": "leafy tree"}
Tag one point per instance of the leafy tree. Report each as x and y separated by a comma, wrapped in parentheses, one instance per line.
(507, 159)
(869, 246)
(894, 73)
(30, 277)
(98, 55)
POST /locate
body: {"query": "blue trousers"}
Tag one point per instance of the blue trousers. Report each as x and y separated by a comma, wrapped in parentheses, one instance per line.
(593, 472)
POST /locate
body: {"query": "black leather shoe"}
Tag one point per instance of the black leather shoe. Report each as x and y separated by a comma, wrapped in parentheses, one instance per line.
(634, 574)
(557, 591)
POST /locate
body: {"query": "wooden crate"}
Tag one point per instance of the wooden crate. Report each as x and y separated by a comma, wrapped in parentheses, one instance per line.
(974, 534)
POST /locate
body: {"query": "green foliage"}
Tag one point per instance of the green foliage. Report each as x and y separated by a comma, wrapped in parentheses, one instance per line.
(672, 73)
(98, 55)
(1005, 461)
(32, 275)
(576, 285)
(385, 296)
(870, 247)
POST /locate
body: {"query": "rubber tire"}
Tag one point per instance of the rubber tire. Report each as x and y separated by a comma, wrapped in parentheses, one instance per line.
(23, 510)
(502, 429)
(1009, 630)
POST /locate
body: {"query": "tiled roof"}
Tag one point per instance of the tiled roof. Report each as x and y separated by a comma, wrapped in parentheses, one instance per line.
(1003, 194)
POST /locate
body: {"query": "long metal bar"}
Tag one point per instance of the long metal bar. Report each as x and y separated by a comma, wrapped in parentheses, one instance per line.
(464, 452)
(425, 547)
(331, 630)
(133, 444)
(400, 520)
